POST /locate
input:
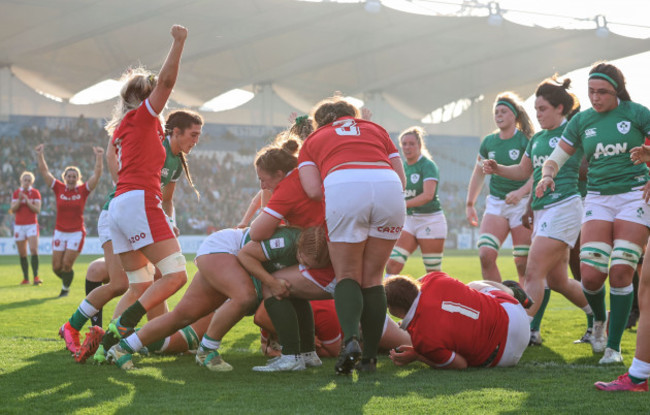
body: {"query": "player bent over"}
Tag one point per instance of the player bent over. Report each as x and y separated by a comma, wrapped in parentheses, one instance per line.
(455, 326)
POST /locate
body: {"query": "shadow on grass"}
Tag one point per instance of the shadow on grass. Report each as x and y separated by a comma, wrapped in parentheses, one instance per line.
(26, 303)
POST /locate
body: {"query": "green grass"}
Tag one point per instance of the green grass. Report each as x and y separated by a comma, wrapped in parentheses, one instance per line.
(38, 376)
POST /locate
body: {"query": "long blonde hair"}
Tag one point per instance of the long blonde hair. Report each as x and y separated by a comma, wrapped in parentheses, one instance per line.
(419, 134)
(138, 85)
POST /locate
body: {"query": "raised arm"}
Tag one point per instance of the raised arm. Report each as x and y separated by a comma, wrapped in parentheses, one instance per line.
(42, 165)
(253, 207)
(99, 167)
(169, 71)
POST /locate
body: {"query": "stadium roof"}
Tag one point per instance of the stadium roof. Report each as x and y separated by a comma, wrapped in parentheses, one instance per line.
(294, 53)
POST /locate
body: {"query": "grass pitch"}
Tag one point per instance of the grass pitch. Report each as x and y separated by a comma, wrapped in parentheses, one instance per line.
(38, 376)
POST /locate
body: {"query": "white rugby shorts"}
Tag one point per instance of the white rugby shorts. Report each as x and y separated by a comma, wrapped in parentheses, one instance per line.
(426, 226)
(364, 202)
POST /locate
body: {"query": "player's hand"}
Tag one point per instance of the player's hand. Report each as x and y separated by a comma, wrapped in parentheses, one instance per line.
(513, 197)
(403, 355)
(640, 154)
(490, 166)
(366, 114)
(292, 117)
(472, 218)
(280, 289)
(39, 149)
(546, 183)
(99, 151)
(646, 192)
(179, 32)
(177, 231)
(528, 218)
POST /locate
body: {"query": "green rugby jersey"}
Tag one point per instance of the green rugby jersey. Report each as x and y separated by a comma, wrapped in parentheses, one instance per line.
(173, 168)
(505, 152)
(280, 249)
(416, 174)
(606, 139)
(540, 147)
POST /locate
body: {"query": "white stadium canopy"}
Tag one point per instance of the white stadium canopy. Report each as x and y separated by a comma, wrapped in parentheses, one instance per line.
(403, 58)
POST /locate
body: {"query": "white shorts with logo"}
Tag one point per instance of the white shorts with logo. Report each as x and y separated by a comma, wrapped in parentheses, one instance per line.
(225, 241)
(628, 206)
(104, 227)
(137, 220)
(518, 334)
(512, 213)
(22, 232)
(426, 226)
(364, 202)
(560, 221)
(62, 241)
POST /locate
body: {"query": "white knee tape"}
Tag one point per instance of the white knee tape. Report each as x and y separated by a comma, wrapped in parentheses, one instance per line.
(488, 240)
(144, 274)
(520, 250)
(399, 255)
(626, 253)
(596, 254)
(432, 262)
(172, 264)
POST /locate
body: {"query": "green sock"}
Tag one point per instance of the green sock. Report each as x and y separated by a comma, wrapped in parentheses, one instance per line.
(635, 380)
(597, 303)
(109, 340)
(132, 315)
(373, 318)
(124, 345)
(348, 301)
(34, 259)
(590, 321)
(537, 320)
(25, 267)
(305, 324)
(78, 320)
(621, 304)
(285, 321)
(67, 278)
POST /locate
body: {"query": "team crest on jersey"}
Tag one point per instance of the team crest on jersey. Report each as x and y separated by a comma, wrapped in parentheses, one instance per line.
(164, 172)
(553, 142)
(514, 154)
(415, 177)
(491, 155)
(276, 243)
(623, 127)
(590, 132)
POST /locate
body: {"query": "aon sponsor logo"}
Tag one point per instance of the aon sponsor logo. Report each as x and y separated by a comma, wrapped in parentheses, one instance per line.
(410, 193)
(609, 149)
(538, 161)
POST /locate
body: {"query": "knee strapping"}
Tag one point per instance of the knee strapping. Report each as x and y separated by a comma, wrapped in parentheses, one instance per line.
(626, 253)
(172, 264)
(190, 337)
(488, 240)
(519, 251)
(432, 262)
(399, 255)
(144, 274)
(596, 255)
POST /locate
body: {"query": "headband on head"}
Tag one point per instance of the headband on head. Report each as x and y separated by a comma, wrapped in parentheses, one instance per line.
(605, 77)
(509, 105)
